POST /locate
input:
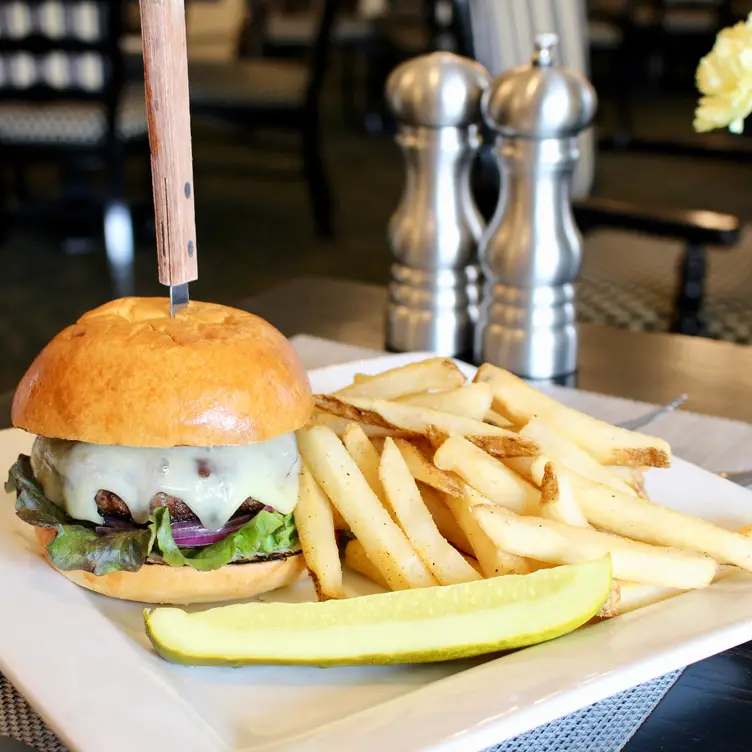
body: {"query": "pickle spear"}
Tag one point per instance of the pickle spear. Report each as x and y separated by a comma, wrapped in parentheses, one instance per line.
(407, 626)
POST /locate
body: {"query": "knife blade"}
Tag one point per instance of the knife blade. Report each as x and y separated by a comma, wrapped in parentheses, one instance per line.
(178, 298)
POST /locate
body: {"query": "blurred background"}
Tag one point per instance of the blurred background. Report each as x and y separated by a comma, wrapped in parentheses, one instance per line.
(296, 170)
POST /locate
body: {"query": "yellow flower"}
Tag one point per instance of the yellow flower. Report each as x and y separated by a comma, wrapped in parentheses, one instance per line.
(724, 77)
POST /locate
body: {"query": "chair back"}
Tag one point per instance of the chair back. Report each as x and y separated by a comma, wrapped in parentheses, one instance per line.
(500, 34)
(321, 51)
(319, 54)
(214, 28)
(65, 50)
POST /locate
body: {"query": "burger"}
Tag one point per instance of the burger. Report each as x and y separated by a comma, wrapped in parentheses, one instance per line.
(165, 466)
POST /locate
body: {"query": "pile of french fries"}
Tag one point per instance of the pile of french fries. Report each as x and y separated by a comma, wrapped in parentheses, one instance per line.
(436, 481)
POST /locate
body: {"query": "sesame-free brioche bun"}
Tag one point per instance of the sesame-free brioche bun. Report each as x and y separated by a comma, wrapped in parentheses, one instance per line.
(158, 583)
(127, 373)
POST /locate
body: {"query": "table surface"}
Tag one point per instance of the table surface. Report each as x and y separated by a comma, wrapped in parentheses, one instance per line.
(709, 706)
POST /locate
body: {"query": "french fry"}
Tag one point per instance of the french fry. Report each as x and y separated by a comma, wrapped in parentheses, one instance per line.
(486, 474)
(419, 421)
(492, 560)
(344, 484)
(356, 559)
(471, 401)
(608, 444)
(445, 563)
(560, 449)
(497, 419)
(726, 570)
(523, 466)
(611, 607)
(366, 457)
(629, 596)
(425, 471)
(315, 524)
(648, 522)
(339, 520)
(553, 542)
(340, 425)
(444, 519)
(473, 562)
(430, 374)
(557, 498)
(634, 595)
(634, 477)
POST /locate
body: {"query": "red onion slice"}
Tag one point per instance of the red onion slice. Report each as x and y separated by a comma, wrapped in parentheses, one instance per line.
(191, 534)
(186, 534)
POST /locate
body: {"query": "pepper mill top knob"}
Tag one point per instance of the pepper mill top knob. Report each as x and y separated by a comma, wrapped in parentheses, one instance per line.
(437, 90)
(539, 100)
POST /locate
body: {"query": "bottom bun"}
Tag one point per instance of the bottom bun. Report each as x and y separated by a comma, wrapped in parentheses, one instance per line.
(157, 583)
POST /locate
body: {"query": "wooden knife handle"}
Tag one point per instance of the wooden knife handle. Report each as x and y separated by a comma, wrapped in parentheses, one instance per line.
(168, 115)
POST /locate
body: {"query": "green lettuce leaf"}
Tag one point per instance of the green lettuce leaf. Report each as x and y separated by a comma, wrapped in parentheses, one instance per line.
(77, 545)
(266, 533)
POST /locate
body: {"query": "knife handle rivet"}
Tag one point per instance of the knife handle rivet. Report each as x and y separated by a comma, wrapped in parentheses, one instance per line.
(187, 190)
(190, 248)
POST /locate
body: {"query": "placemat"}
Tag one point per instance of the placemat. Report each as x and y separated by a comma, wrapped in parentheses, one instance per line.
(714, 443)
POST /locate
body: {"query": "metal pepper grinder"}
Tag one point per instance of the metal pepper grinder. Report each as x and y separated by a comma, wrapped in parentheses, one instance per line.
(530, 253)
(434, 233)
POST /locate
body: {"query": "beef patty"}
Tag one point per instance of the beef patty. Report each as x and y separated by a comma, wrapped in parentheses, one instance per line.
(112, 505)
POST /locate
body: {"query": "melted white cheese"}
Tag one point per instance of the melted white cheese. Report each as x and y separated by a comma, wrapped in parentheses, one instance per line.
(212, 481)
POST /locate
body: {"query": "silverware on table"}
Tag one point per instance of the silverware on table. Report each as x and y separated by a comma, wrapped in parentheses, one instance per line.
(530, 254)
(741, 477)
(650, 416)
(434, 233)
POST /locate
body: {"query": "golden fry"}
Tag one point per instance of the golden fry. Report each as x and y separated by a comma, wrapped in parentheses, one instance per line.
(471, 401)
(444, 561)
(634, 595)
(561, 449)
(425, 471)
(366, 457)
(430, 374)
(340, 425)
(486, 474)
(550, 541)
(315, 524)
(497, 419)
(611, 607)
(492, 560)
(419, 421)
(358, 561)
(344, 484)
(608, 444)
(558, 501)
(444, 519)
(646, 521)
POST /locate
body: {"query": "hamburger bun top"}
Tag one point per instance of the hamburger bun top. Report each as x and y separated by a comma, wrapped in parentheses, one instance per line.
(127, 373)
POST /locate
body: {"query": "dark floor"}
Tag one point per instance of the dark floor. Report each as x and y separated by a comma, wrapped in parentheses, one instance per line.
(255, 231)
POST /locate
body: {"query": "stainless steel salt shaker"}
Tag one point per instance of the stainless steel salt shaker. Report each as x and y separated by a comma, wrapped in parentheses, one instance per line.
(530, 253)
(434, 233)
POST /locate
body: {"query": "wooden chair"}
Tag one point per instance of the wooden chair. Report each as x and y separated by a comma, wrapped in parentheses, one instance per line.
(64, 99)
(500, 34)
(259, 93)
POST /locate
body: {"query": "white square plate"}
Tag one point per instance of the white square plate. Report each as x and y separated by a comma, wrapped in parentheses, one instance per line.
(84, 662)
